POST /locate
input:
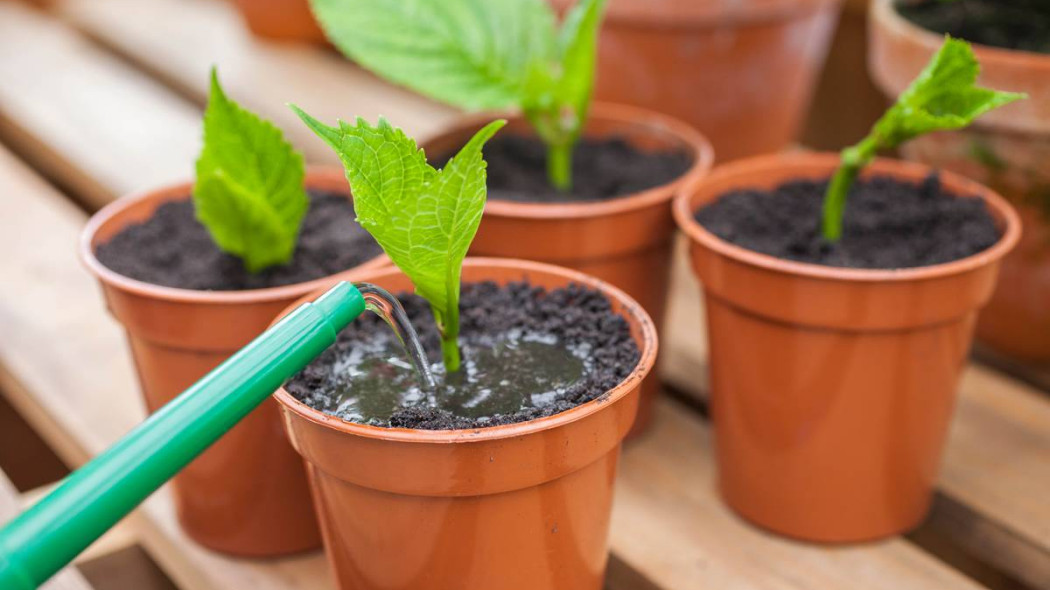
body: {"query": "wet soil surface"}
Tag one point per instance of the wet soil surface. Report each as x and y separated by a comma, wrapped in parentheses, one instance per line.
(527, 353)
(1010, 24)
(888, 223)
(602, 169)
(173, 249)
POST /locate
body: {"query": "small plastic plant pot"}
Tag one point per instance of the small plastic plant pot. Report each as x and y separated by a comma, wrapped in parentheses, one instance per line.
(832, 388)
(247, 495)
(1006, 149)
(518, 507)
(281, 20)
(626, 241)
(741, 71)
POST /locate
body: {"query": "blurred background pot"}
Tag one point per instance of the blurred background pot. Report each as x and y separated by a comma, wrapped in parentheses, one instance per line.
(1007, 149)
(833, 388)
(519, 507)
(282, 20)
(740, 71)
(626, 241)
(247, 494)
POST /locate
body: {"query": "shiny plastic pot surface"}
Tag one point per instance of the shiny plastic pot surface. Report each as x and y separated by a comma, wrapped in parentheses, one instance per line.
(518, 507)
(833, 388)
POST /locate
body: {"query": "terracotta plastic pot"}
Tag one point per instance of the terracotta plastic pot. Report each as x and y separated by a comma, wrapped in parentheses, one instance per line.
(1007, 149)
(284, 20)
(246, 495)
(832, 389)
(518, 507)
(625, 241)
(740, 71)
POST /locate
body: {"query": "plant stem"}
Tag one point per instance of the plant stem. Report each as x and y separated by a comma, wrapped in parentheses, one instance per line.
(450, 353)
(853, 159)
(559, 165)
(448, 326)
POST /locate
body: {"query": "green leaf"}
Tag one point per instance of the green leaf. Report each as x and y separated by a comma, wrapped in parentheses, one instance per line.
(943, 97)
(475, 54)
(249, 189)
(424, 219)
(481, 54)
(579, 55)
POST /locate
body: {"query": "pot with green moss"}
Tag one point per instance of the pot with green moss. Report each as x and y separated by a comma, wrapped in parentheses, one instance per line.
(574, 184)
(1007, 150)
(838, 327)
(194, 271)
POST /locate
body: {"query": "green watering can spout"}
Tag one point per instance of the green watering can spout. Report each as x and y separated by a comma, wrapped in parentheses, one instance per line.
(44, 539)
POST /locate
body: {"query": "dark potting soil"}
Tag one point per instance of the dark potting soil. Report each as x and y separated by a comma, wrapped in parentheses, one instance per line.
(173, 249)
(1011, 24)
(888, 223)
(527, 353)
(602, 169)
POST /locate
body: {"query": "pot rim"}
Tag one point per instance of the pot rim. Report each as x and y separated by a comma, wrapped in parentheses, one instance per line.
(631, 308)
(885, 11)
(114, 209)
(684, 210)
(700, 147)
(692, 14)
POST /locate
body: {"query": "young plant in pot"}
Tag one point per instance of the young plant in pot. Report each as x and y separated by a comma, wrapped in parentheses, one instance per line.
(838, 328)
(501, 475)
(196, 270)
(570, 184)
(1007, 150)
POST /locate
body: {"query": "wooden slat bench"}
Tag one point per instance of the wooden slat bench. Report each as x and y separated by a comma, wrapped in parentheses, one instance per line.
(64, 365)
(264, 76)
(85, 118)
(994, 496)
(97, 403)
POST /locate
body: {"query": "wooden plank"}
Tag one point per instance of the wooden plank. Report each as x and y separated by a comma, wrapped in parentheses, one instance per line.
(180, 40)
(68, 371)
(27, 459)
(84, 116)
(670, 525)
(1035, 374)
(995, 483)
(996, 477)
(130, 568)
(10, 505)
(683, 340)
(670, 530)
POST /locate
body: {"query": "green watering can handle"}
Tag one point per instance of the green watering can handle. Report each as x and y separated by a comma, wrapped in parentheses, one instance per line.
(45, 538)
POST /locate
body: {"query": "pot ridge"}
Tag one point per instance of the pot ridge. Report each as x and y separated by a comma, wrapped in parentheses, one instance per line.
(518, 507)
(833, 389)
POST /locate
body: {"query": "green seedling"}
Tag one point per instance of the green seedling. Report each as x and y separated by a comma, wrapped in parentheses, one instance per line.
(481, 54)
(249, 188)
(943, 97)
(424, 219)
